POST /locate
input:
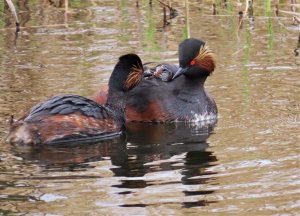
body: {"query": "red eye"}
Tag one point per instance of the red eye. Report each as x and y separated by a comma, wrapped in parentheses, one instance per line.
(193, 62)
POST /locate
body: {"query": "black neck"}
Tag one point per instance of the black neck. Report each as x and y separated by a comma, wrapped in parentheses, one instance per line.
(116, 89)
(116, 99)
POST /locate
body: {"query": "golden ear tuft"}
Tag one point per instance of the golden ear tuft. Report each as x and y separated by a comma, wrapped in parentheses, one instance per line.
(206, 59)
(134, 77)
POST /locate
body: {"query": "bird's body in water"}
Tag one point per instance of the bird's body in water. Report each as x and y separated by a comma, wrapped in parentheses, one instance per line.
(72, 117)
(174, 93)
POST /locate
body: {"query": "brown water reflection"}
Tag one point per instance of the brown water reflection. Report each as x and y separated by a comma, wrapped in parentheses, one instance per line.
(140, 162)
(248, 166)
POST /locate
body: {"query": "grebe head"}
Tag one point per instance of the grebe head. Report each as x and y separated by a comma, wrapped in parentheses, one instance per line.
(196, 60)
(127, 73)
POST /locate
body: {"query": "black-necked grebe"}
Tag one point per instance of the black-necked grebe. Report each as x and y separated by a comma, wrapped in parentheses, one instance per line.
(68, 117)
(181, 97)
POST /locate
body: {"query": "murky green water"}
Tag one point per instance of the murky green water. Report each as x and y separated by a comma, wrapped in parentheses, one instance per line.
(247, 163)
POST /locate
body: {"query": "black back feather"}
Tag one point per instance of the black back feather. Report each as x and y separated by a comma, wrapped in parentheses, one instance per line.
(68, 104)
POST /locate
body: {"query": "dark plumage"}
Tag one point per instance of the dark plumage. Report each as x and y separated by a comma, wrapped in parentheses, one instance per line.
(67, 104)
(181, 99)
(70, 117)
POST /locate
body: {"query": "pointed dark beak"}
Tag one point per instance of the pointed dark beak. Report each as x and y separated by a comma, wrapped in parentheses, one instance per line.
(179, 72)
